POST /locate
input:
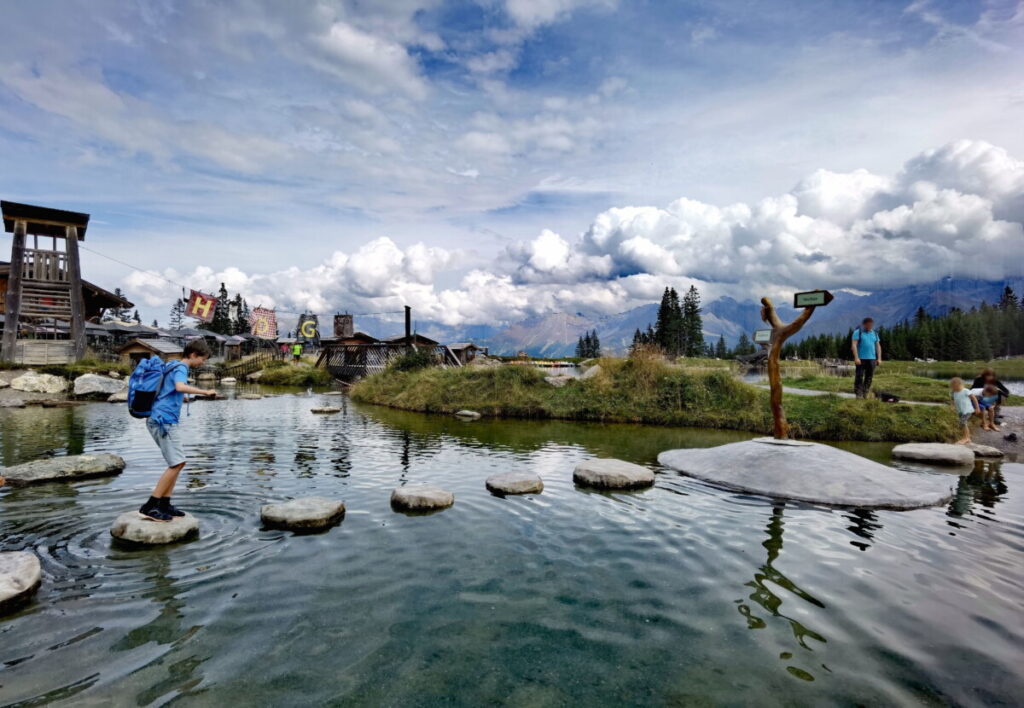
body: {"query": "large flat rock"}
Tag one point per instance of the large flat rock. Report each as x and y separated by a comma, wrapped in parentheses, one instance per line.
(94, 385)
(304, 514)
(814, 473)
(421, 497)
(20, 574)
(514, 483)
(603, 473)
(133, 527)
(36, 382)
(935, 453)
(64, 469)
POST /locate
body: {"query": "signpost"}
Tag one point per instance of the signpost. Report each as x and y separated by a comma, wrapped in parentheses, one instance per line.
(762, 336)
(778, 334)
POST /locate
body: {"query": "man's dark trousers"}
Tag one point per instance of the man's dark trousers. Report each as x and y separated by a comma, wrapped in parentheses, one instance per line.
(862, 379)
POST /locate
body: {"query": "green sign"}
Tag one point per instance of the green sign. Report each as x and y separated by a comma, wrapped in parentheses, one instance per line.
(812, 298)
(762, 336)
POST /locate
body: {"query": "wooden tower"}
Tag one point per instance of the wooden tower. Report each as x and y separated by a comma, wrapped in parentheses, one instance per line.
(45, 280)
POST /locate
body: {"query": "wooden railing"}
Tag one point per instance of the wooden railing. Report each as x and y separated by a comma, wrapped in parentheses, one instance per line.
(254, 363)
(348, 362)
(45, 266)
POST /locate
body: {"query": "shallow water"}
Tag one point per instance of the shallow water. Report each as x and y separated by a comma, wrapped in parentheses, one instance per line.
(678, 594)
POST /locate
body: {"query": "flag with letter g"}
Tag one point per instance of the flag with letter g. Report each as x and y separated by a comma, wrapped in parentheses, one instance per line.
(263, 323)
(201, 306)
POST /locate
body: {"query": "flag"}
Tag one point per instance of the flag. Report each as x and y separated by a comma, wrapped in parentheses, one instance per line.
(201, 306)
(309, 329)
(263, 323)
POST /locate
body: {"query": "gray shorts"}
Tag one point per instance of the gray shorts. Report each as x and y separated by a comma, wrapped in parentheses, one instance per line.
(169, 441)
(965, 418)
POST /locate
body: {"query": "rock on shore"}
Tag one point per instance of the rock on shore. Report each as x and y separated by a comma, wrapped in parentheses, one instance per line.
(133, 527)
(94, 385)
(35, 382)
(612, 474)
(514, 483)
(304, 514)
(421, 497)
(935, 453)
(64, 469)
(20, 575)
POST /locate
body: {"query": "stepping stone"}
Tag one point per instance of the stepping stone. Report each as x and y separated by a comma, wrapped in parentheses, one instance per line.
(421, 497)
(334, 393)
(229, 381)
(467, 415)
(65, 469)
(984, 450)
(20, 575)
(120, 397)
(935, 453)
(304, 514)
(608, 473)
(325, 410)
(133, 527)
(250, 397)
(95, 385)
(815, 473)
(514, 483)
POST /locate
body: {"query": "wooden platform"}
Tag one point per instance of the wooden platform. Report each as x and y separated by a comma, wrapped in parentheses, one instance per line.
(39, 352)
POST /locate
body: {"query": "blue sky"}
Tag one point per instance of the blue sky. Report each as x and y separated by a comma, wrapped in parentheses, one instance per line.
(489, 159)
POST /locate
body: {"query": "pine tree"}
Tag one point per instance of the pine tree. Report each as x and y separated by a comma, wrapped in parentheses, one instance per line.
(580, 349)
(721, 351)
(177, 318)
(155, 323)
(595, 345)
(744, 346)
(1009, 300)
(221, 322)
(664, 324)
(691, 325)
(138, 320)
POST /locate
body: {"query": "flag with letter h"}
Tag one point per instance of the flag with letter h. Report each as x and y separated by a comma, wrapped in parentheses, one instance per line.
(201, 306)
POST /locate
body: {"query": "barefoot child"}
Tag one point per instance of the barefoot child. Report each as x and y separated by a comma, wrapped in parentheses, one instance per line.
(163, 426)
(965, 404)
(988, 402)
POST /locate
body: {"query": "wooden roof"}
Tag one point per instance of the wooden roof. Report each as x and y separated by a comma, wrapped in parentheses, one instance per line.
(160, 346)
(43, 221)
(105, 297)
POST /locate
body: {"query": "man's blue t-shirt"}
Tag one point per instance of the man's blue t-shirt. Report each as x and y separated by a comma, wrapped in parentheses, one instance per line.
(167, 406)
(865, 343)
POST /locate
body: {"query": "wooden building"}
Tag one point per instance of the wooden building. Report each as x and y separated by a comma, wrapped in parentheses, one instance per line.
(466, 351)
(138, 349)
(417, 340)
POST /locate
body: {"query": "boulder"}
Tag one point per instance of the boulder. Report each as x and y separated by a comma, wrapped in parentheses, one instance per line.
(558, 380)
(229, 381)
(984, 450)
(304, 514)
(206, 376)
(119, 397)
(93, 385)
(591, 372)
(20, 575)
(65, 469)
(606, 473)
(421, 497)
(935, 453)
(35, 382)
(133, 527)
(325, 410)
(810, 472)
(467, 415)
(514, 483)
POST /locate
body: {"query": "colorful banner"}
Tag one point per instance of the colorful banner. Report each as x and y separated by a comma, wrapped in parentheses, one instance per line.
(201, 306)
(309, 329)
(263, 323)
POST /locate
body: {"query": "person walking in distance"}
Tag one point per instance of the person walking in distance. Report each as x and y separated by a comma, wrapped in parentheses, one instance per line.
(867, 355)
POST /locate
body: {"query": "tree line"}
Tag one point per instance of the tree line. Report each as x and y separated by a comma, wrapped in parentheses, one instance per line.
(588, 346)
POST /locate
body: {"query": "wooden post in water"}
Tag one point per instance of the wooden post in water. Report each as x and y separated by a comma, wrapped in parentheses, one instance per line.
(780, 333)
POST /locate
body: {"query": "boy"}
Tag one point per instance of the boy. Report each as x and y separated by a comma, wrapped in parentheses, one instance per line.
(867, 356)
(988, 402)
(163, 426)
(965, 404)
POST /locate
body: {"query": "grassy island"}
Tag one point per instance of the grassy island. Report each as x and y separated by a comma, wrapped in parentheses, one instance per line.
(649, 390)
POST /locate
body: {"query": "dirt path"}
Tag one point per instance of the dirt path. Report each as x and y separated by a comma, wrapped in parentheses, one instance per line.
(1012, 422)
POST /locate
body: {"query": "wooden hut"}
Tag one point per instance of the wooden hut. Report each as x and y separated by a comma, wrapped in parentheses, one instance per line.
(466, 352)
(138, 349)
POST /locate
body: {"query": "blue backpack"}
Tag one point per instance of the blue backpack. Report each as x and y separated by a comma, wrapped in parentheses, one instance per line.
(145, 385)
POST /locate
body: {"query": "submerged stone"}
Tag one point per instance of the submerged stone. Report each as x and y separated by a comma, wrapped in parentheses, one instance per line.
(514, 483)
(325, 410)
(133, 527)
(935, 453)
(607, 473)
(980, 450)
(467, 415)
(421, 497)
(306, 513)
(810, 472)
(65, 469)
(20, 575)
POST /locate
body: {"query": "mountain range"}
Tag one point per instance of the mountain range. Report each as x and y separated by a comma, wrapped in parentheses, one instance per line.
(555, 335)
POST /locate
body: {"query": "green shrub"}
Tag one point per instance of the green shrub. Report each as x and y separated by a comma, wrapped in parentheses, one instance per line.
(413, 360)
(294, 375)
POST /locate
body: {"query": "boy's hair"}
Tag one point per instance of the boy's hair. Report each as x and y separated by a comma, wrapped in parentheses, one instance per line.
(956, 380)
(197, 346)
(867, 320)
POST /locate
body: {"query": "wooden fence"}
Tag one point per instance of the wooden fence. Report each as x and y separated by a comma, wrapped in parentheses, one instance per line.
(254, 363)
(39, 352)
(349, 362)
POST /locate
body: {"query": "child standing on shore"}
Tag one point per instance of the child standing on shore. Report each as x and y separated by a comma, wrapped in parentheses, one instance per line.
(965, 404)
(163, 426)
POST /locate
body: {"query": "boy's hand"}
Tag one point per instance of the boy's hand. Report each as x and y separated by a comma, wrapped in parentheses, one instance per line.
(856, 360)
(211, 393)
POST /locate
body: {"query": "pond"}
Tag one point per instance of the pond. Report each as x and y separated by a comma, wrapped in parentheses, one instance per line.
(678, 594)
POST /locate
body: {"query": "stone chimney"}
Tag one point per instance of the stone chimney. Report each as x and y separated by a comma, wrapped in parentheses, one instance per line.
(343, 326)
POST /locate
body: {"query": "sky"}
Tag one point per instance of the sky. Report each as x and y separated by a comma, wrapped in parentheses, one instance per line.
(487, 160)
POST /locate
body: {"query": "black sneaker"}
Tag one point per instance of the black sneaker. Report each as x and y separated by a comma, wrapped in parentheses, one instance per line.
(154, 514)
(168, 508)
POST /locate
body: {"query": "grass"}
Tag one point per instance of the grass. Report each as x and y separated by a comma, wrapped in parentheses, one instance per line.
(906, 386)
(645, 390)
(281, 373)
(1005, 368)
(74, 369)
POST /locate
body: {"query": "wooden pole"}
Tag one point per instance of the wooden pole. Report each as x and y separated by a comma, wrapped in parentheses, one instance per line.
(77, 304)
(12, 310)
(408, 328)
(780, 333)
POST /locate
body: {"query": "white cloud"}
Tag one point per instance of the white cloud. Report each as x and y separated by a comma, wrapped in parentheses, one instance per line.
(371, 62)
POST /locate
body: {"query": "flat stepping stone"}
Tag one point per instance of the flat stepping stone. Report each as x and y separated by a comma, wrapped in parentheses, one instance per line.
(980, 450)
(421, 497)
(334, 393)
(815, 473)
(325, 410)
(514, 483)
(607, 473)
(251, 397)
(64, 469)
(229, 381)
(467, 415)
(20, 575)
(304, 514)
(133, 527)
(935, 453)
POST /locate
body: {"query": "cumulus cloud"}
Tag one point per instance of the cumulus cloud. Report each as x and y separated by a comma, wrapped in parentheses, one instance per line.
(938, 216)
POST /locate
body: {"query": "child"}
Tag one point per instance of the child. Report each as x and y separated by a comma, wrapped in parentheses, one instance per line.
(965, 404)
(163, 426)
(988, 402)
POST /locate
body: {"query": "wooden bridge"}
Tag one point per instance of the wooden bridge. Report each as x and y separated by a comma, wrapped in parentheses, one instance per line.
(253, 363)
(348, 362)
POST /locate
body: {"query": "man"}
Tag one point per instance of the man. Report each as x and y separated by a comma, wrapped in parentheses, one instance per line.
(297, 352)
(867, 355)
